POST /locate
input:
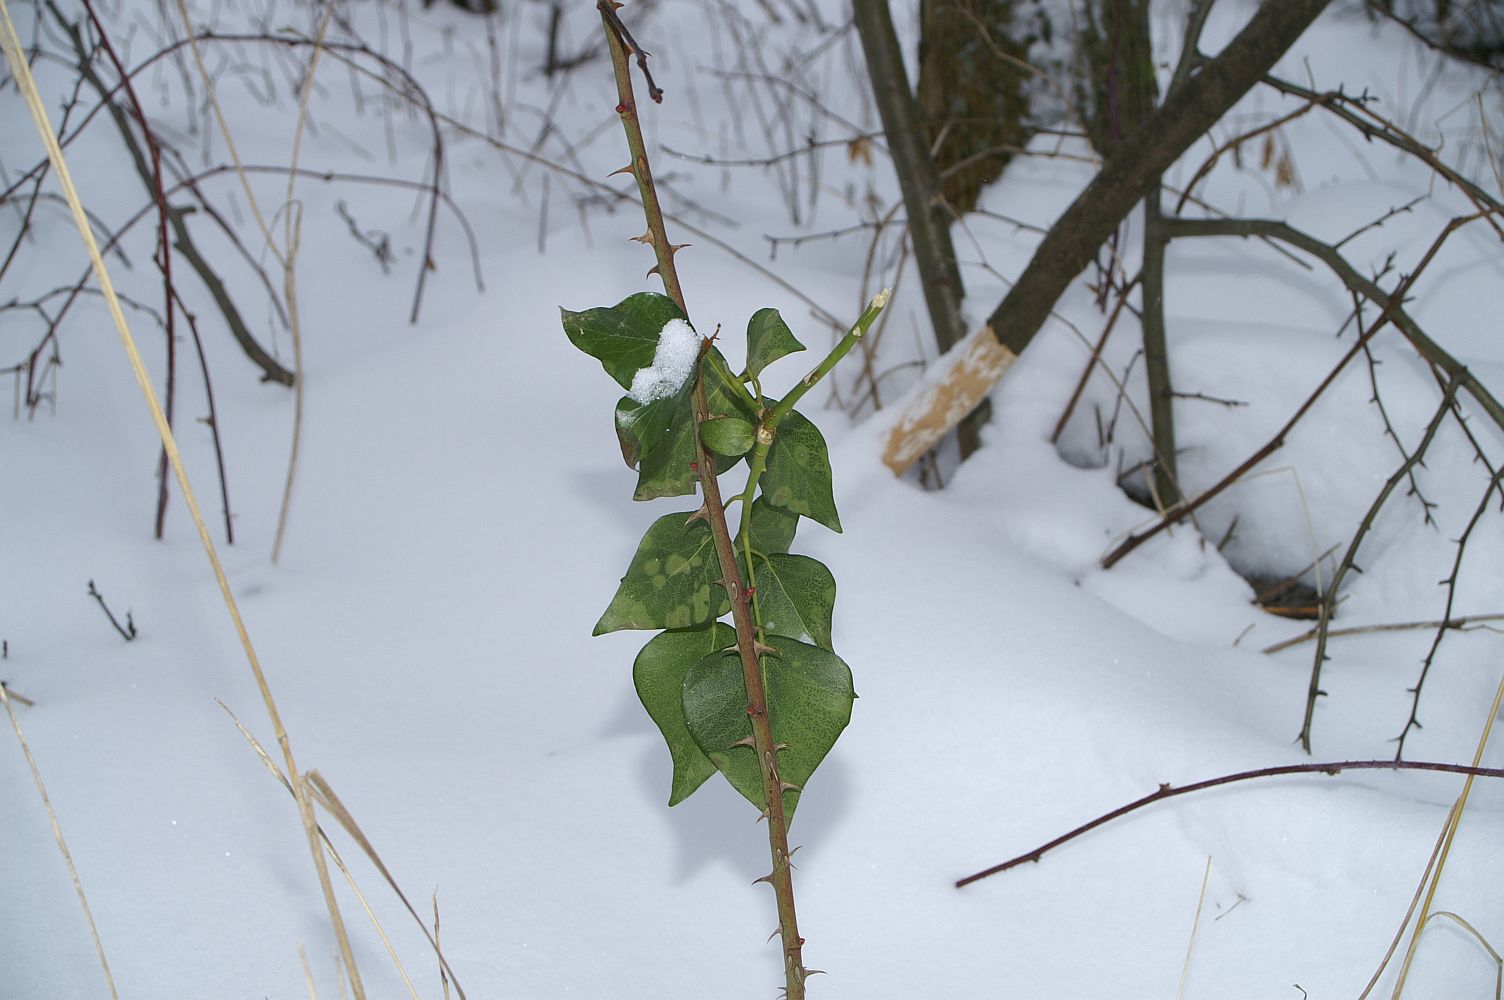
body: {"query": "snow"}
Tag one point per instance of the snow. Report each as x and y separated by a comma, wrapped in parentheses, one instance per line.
(678, 349)
(461, 517)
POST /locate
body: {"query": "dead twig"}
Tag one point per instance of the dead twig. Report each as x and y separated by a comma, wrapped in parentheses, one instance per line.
(1462, 623)
(128, 630)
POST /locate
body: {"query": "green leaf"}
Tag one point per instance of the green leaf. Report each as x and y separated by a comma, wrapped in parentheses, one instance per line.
(623, 337)
(658, 674)
(797, 597)
(798, 474)
(809, 703)
(729, 436)
(773, 528)
(670, 582)
(768, 339)
(666, 470)
(642, 428)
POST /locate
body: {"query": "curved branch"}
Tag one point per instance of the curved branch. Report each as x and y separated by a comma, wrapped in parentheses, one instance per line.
(1349, 559)
(1392, 311)
(1169, 792)
(1354, 279)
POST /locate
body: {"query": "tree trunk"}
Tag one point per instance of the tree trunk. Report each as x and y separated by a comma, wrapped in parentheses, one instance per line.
(1186, 114)
(929, 221)
(972, 96)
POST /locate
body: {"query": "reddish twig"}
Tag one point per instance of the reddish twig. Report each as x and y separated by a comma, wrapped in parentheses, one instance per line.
(153, 179)
(1167, 791)
(1094, 360)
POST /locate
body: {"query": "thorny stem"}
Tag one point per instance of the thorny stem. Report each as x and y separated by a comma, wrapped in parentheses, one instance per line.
(781, 877)
(1391, 312)
(1450, 582)
(1329, 603)
(1167, 791)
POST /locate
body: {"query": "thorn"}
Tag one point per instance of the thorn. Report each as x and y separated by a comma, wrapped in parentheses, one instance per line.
(776, 931)
(761, 648)
(745, 741)
(674, 248)
(761, 816)
(814, 972)
(645, 238)
(787, 786)
(780, 746)
(621, 170)
(703, 514)
(768, 878)
(652, 271)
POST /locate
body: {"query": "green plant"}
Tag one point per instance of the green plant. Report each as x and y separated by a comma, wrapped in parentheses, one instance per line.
(763, 698)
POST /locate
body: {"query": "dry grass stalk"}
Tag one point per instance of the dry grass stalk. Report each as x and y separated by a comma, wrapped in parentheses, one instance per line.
(1476, 935)
(1190, 948)
(1449, 833)
(36, 774)
(292, 236)
(318, 788)
(21, 73)
(1460, 622)
(313, 990)
(443, 968)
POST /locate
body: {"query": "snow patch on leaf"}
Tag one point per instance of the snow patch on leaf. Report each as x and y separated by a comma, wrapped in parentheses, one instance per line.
(678, 347)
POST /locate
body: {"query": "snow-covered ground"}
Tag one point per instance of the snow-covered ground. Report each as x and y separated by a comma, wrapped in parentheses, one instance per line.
(461, 516)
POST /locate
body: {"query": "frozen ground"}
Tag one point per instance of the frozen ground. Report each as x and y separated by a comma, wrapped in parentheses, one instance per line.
(461, 517)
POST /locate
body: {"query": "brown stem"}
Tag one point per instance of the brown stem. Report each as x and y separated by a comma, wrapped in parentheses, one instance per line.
(1169, 792)
(781, 877)
(1094, 360)
(1461, 623)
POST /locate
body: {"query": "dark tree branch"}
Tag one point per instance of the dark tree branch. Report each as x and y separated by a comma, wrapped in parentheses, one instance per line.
(1392, 311)
(1413, 722)
(1355, 111)
(1354, 279)
(1349, 558)
(919, 179)
(917, 174)
(1184, 117)
(1186, 114)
